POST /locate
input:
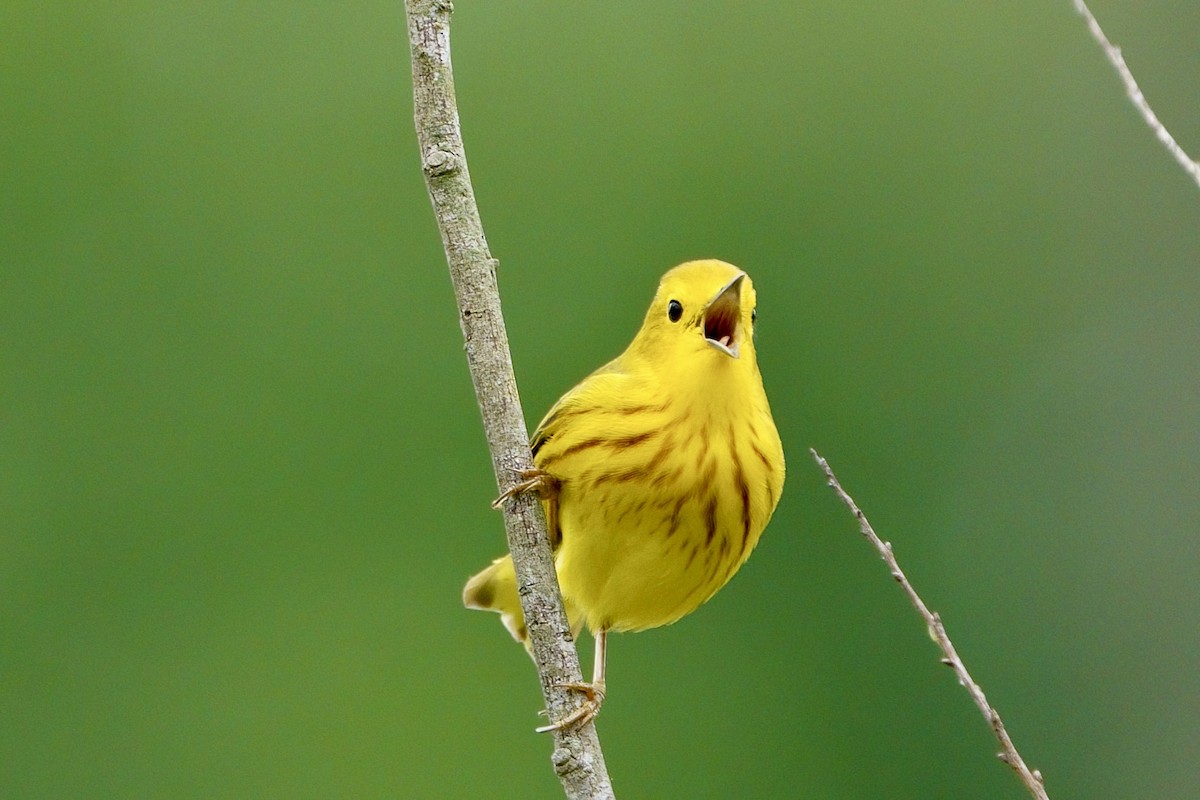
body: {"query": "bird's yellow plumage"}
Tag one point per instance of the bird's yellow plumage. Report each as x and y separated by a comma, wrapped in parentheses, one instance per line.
(665, 464)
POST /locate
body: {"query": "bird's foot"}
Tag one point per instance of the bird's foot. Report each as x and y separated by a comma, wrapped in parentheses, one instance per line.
(593, 694)
(532, 480)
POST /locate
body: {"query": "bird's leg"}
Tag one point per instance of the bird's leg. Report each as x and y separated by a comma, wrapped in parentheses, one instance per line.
(593, 692)
(532, 480)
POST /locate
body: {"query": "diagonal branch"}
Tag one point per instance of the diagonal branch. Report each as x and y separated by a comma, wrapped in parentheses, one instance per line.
(1008, 753)
(1190, 166)
(577, 757)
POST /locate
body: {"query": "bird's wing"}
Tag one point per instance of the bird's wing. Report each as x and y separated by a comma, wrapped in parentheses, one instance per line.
(556, 420)
(560, 413)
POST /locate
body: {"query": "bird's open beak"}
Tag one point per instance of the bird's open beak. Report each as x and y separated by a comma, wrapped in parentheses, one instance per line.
(722, 317)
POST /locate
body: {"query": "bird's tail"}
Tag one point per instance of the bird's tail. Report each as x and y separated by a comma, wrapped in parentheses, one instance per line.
(495, 589)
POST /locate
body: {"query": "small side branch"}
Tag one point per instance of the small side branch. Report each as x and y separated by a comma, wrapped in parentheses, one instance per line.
(1190, 166)
(577, 757)
(1008, 751)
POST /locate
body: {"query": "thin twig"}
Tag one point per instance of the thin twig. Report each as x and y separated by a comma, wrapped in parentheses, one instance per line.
(577, 757)
(1008, 754)
(1113, 52)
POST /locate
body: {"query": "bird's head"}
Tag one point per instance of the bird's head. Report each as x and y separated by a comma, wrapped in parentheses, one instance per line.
(702, 315)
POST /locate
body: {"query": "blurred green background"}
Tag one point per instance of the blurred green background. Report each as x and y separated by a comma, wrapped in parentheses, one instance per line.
(242, 474)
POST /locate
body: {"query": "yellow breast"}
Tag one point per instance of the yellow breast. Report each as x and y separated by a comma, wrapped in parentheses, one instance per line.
(661, 510)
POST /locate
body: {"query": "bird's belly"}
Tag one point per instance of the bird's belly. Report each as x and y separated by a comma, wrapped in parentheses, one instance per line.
(634, 557)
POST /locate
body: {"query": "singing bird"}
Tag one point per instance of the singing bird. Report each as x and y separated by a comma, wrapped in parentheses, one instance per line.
(658, 472)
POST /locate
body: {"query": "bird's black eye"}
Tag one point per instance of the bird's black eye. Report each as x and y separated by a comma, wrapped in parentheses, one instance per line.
(674, 310)
(753, 315)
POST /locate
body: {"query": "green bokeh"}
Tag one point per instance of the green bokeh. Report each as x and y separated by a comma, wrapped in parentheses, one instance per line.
(242, 476)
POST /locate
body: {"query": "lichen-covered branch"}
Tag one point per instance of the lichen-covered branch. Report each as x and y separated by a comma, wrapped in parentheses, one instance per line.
(577, 757)
(1008, 751)
(1190, 166)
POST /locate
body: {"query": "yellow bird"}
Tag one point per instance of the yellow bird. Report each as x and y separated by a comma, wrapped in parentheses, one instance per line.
(658, 471)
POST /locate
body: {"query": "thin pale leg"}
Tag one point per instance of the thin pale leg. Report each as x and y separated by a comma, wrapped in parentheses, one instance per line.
(532, 480)
(593, 692)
